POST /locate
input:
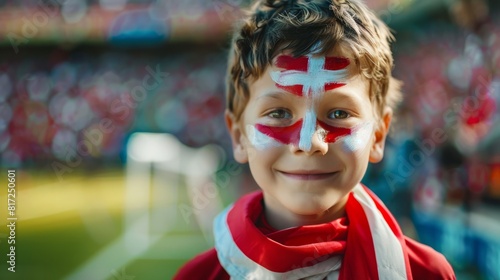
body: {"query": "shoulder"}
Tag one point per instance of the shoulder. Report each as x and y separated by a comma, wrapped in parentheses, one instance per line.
(204, 266)
(426, 263)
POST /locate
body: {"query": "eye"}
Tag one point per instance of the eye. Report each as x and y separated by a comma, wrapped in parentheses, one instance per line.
(338, 114)
(280, 114)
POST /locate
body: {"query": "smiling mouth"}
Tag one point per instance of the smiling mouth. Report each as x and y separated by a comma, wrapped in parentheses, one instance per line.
(308, 175)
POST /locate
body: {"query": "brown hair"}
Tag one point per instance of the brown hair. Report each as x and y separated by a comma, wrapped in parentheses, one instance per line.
(272, 26)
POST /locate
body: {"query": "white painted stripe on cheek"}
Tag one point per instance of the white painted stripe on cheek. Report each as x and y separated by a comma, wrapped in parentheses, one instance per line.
(359, 138)
(307, 130)
(259, 140)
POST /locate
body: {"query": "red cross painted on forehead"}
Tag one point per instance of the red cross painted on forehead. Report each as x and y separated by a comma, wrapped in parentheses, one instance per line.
(306, 75)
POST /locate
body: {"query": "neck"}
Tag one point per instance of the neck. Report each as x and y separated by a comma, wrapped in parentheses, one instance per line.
(281, 218)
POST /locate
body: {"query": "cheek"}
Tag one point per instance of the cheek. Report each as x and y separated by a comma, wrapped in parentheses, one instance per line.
(354, 149)
(354, 162)
(261, 163)
(261, 149)
(359, 140)
(284, 135)
(264, 137)
(259, 140)
(353, 140)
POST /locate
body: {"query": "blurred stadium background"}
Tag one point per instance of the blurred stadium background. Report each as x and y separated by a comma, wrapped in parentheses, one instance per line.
(111, 112)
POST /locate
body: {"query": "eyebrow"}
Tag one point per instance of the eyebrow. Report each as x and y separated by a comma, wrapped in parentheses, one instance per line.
(340, 95)
(275, 95)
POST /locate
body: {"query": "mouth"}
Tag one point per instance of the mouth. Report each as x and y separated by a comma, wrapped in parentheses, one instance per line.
(308, 175)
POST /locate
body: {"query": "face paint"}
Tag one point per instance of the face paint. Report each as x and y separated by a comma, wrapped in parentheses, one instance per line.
(308, 130)
(359, 138)
(284, 135)
(260, 140)
(353, 139)
(308, 75)
(292, 63)
(333, 133)
(301, 133)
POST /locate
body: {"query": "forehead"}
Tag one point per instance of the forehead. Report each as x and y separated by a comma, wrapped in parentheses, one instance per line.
(312, 73)
(338, 51)
(285, 62)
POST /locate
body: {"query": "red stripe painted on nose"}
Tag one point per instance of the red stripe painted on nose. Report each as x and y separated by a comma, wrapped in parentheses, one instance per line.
(292, 63)
(334, 133)
(283, 134)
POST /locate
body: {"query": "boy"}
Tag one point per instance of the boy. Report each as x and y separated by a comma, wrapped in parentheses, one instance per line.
(310, 98)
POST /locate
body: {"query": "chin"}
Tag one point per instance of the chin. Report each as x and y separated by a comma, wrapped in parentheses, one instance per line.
(310, 206)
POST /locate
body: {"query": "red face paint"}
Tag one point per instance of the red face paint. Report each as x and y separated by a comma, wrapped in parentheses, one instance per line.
(291, 134)
(336, 63)
(283, 134)
(301, 64)
(299, 89)
(334, 133)
(332, 86)
(292, 63)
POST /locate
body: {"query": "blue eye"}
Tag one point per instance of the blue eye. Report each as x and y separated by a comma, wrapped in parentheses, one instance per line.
(338, 114)
(280, 114)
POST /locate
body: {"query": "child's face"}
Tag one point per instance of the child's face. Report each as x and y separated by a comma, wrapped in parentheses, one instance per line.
(308, 132)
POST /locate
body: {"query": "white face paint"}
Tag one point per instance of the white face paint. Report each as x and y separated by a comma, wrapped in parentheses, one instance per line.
(313, 84)
(308, 130)
(314, 80)
(359, 139)
(259, 140)
(353, 143)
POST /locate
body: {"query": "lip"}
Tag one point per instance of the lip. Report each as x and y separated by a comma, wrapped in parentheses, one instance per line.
(308, 175)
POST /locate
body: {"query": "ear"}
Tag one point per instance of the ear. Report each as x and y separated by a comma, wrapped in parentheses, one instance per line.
(381, 131)
(236, 133)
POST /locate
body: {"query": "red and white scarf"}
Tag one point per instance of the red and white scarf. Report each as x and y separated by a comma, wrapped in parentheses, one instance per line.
(367, 245)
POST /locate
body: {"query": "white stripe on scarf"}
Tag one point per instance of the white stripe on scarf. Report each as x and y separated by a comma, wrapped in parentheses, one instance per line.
(388, 250)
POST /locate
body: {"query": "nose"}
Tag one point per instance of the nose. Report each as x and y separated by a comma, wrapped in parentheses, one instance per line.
(317, 145)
